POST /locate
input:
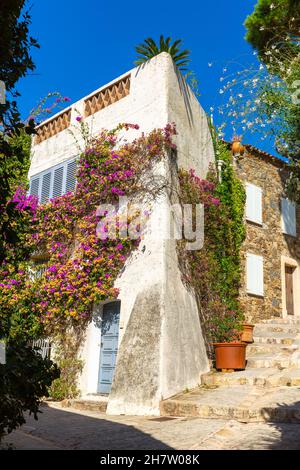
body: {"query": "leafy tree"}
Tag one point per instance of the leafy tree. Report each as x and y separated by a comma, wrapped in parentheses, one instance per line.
(272, 23)
(15, 62)
(24, 380)
(26, 376)
(149, 48)
(273, 30)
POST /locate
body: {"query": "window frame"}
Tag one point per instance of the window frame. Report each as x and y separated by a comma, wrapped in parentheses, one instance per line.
(256, 220)
(260, 292)
(284, 225)
(51, 170)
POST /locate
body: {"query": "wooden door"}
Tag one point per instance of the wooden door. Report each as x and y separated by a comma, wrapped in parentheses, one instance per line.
(289, 292)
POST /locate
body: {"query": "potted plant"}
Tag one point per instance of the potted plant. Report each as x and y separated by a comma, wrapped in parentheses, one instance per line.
(247, 333)
(224, 329)
(237, 148)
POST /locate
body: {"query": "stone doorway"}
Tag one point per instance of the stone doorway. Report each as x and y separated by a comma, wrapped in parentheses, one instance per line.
(290, 279)
(289, 289)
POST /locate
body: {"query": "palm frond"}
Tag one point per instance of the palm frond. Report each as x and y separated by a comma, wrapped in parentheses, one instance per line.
(174, 49)
(149, 48)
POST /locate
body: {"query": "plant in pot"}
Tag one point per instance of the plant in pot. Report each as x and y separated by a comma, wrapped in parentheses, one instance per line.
(247, 333)
(224, 330)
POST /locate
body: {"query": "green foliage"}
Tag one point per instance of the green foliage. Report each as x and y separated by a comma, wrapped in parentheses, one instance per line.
(15, 61)
(66, 348)
(214, 272)
(15, 42)
(66, 385)
(149, 48)
(24, 382)
(232, 196)
(273, 30)
(81, 255)
(26, 376)
(271, 23)
(293, 183)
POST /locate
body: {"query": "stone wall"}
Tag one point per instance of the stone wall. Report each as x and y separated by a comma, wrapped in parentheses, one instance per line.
(266, 240)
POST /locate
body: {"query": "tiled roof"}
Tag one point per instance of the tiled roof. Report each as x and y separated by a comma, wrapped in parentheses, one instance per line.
(251, 149)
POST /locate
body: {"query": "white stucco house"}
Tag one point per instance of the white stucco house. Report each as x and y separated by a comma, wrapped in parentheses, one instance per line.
(149, 345)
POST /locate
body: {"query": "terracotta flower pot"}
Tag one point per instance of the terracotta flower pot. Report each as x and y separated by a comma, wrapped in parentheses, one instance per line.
(230, 355)
(237, 148)
(247, 333)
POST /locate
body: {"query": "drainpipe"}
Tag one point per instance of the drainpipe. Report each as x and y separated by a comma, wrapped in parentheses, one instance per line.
(220, 164)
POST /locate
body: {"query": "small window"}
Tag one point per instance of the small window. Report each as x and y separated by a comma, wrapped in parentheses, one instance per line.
(288, 217)
(255, 274)
(55, 181)
(253, 203)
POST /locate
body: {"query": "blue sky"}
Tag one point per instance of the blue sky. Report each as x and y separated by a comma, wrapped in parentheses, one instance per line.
(85, 44)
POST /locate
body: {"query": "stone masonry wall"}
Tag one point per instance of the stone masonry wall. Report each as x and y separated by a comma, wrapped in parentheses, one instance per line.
(267, 240)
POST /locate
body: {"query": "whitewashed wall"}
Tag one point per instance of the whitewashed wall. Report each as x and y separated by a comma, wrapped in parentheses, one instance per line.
(161, 344)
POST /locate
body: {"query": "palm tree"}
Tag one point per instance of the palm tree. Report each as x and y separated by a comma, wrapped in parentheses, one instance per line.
(149, 49)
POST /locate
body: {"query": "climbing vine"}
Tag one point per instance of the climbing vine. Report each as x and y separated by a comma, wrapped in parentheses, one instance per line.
(80, 267)
(70, 264)
(214, 271)
(67, 266)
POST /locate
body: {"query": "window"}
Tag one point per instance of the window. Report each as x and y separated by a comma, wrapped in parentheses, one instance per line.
(55, 181)
(255, 274)
(253, 203)
(288, 217)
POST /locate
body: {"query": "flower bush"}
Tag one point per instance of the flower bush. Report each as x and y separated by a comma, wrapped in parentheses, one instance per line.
(72, 263)
(214, 271)
(81, 267)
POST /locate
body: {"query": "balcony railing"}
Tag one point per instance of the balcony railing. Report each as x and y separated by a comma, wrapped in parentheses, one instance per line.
(56, 125)
(107, 96)
(99, 100)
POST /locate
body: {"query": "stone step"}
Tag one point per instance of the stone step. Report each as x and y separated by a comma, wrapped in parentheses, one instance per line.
(274, 348)
(262, 329)
(270, 377)
(241, 403)
(288, 319)
(86, 404)
(277, 338)
(280, 360)
(283, 321)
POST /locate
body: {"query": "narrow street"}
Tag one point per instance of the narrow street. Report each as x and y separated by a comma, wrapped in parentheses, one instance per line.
(70, 429)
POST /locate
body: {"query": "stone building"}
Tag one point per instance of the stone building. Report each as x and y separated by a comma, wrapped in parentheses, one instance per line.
(148, 345)
(271, 251)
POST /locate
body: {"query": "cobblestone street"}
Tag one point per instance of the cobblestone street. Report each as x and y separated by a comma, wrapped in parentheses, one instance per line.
(71, 429)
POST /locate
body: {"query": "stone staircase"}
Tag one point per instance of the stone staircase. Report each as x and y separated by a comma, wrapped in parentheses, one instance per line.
(267, 390)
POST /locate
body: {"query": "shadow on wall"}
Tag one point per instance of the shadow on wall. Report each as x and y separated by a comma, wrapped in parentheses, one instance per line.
(57, 429)
(186, 94)
(291, 241)
(285, 421)
(183, 87)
